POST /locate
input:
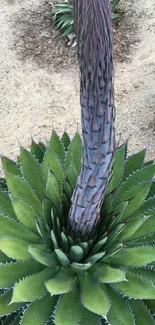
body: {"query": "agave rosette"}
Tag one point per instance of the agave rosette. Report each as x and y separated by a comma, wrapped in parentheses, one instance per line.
(47, 276)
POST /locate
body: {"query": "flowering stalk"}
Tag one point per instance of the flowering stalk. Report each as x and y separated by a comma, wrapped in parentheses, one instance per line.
(94, 32)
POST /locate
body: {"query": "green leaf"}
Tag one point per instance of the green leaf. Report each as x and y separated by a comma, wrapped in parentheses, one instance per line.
(146, 273)
(57, 147)
(136, 256)
(32, 287)
(62, 258)
(15, 248)
(136, 287)
(64, 242)
(48, 259)
(143, 175)
(39, 311)
(94, 258)
(12, 272)
(10, 166)
(74, 153)
(71, 176)
(25, 214)
(9, 320)
(10, 227)
(37, 152)
(134, 163)
(119, 312)
(89, 318)
(99, 245)
(61, 283)
(52, 162)
(137, 196)
(65, 139)
(76, 253)
(118, 168)
(146, 228)
(4, 258)
(80, 267)
(69, 308)
(131, 227)
(141, 314)
(5, 205)
(5, 307)
(20, 189)
(107, 274)
(93, 298)
(53, 192)
(32, 172)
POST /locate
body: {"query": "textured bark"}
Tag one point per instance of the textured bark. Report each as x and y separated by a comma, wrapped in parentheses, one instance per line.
(94, 33)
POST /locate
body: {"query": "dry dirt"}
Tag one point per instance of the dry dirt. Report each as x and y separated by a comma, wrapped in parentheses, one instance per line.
(39, 84)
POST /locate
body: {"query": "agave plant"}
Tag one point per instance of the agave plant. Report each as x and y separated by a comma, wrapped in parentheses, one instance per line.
(65, 18)
(77, 225)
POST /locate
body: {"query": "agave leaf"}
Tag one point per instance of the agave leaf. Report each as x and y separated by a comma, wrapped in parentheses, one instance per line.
(52, 162)
(10, 227)
(99, 245)
(118, 169)
(45, 258)
(10, 166)
(39, 311)
(134, 163)
(137, 196)
(5, 307)
(69, 308)
(131, 228)
(80, 267)
(37, 152)
(5, 205)
(62, 258)
(3, 185)
(57, 147)
(74, 153)
(119, 210)
(20, 189)
(89, 318)
(94, 258)
(25, 214)
(85, 247)
(146, 228)
(53, 192)
(12, 272)
(152, 190)
(136, 256)
(76, 253)
(64, 242)
(71, 176)
(136, 287)
(15, 248)
(32, 287)
(151, 305)
(65, 139)
(93, 298)
(146, 273)
(119, 312)
(147, 208)
(141, 314)
(68, 191)
(32, 172)
(143, 175)
(61, 283)
(106, 274)
(4, 258)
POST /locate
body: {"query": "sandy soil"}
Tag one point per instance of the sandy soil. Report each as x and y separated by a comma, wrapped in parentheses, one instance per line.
(34, 95)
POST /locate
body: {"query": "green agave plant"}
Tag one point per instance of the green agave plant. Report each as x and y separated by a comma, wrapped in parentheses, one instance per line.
(77, 237)
(49, 276)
